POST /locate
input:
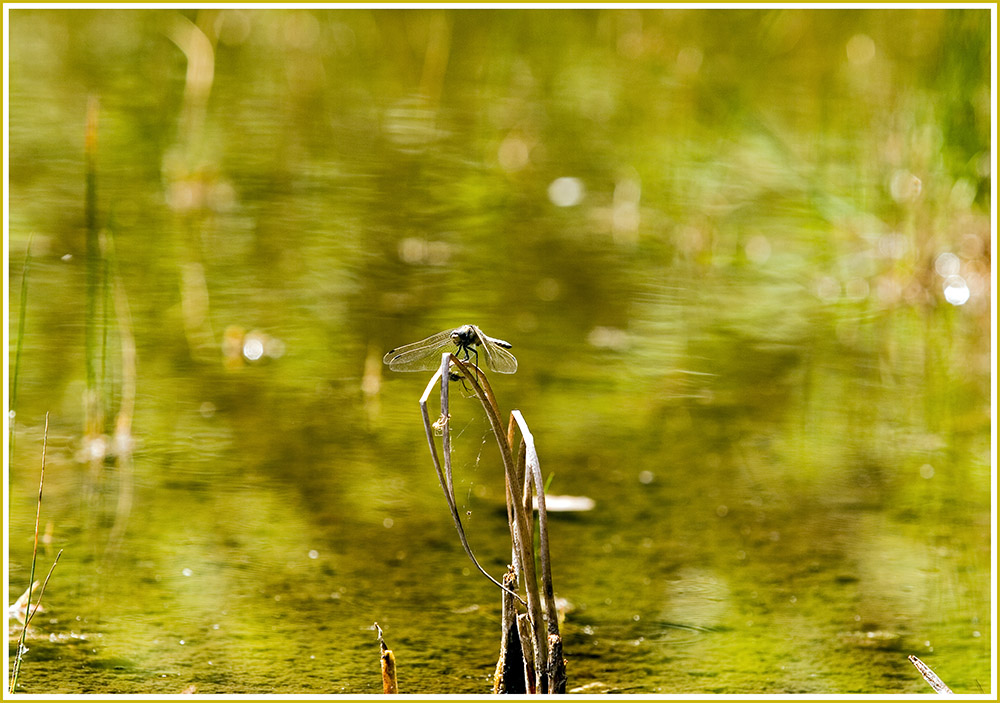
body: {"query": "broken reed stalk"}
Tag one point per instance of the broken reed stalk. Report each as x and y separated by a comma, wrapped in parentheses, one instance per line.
(539, 644)
(555, 664)
(30, 612)
(930, 677)
(510, 675)
(388, 661)
(520, 525)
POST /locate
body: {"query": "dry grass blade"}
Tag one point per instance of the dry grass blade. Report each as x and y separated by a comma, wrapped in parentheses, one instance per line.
(930, 677)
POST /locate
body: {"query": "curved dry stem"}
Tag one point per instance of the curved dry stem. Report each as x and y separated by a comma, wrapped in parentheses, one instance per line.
(445, 474)
(515, 501)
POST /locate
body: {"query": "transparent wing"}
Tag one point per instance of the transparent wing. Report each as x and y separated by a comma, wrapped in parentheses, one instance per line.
(424, 355)
(497, 358)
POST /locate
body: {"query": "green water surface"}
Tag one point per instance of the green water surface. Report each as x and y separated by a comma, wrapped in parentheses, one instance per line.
(744, 258)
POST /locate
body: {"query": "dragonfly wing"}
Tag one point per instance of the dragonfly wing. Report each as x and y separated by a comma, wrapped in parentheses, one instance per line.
(500, 360)
(424, 355)
(497, 358)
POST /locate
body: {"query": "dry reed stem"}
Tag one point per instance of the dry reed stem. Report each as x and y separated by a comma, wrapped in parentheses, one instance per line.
(535, 473)
(522, 518)
(444, 474)
(930, 677)
(545, 667)
(509, 677)
(388, 663)
(525, 633)
(554, 680)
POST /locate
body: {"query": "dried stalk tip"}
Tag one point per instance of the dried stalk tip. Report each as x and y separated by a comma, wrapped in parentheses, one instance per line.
(389, 684)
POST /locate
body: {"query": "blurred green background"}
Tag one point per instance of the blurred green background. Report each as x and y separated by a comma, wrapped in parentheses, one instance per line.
(745, 261)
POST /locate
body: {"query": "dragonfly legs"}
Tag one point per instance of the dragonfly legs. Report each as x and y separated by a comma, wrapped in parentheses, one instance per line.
(475, 364)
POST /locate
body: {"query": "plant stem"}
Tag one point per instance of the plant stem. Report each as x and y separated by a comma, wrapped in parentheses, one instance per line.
(521, 532)
(31, 573)
(444, 475)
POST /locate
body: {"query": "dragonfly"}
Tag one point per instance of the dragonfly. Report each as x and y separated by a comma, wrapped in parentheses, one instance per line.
(425, 355)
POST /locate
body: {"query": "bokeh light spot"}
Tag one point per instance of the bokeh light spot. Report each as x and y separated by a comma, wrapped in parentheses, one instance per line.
(860, 49)
(566, 191)
(956, 290)
(947, 265)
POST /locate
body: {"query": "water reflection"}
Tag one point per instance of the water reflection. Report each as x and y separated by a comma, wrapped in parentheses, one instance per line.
(746, 261)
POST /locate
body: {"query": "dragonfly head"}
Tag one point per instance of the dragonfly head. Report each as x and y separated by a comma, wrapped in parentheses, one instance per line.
(464, 337)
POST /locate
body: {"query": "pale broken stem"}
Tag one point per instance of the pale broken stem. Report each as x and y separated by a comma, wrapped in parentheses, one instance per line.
(445, 475)
(930, 677)
(528, 475)
(515, 503)
(388, 661)
(535, 472)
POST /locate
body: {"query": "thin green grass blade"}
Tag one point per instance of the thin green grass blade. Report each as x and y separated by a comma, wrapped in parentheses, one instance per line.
(12, 410)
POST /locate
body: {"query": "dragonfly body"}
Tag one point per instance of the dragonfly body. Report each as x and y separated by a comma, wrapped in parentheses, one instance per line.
(469, 336)
(425, 355)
